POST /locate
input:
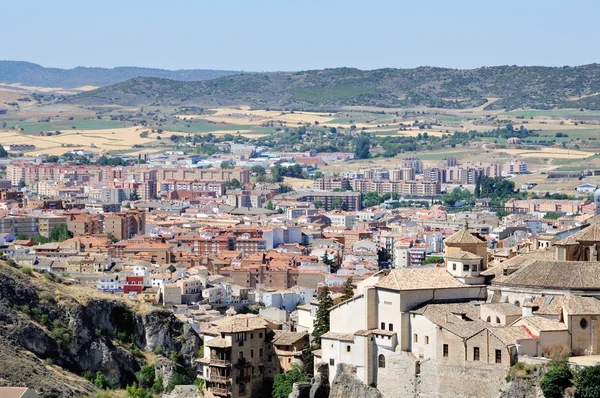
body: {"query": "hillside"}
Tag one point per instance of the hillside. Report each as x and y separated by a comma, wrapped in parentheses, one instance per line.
(516, 87)
(52, 333)
(30, 74)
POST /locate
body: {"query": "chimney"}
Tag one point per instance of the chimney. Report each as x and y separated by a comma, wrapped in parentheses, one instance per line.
(527, 309)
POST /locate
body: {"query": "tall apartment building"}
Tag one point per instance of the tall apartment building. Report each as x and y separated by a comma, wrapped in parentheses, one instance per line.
(242, 175)
(403, 174)
(412, 163)
(352, 200)
(126, 224)
(416, 188)
(196, 185)
(517, 166)
(331, 183)
(47, 223)
(82, 223)
(15, 225)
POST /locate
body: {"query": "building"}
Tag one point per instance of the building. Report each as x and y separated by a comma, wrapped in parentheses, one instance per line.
(517, 166)
(48, 222)
(125, 225)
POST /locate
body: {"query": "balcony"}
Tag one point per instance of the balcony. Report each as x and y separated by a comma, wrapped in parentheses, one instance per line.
(221, 392)
(220, 362)
(220, 379)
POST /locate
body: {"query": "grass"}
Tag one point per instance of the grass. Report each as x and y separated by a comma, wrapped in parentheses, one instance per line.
(320, 95)
(574, 113)
(204, 127)
(66, 125)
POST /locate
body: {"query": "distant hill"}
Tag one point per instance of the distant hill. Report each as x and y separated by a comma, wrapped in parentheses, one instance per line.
(30, 74)
(516, 87)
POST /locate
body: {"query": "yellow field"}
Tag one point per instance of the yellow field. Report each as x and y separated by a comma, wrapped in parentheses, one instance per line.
(244, 116)
(298, 183)
(545, 152)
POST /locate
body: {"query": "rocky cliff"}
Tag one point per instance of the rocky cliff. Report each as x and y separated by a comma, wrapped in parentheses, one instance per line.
(345, 385)
(52, 333)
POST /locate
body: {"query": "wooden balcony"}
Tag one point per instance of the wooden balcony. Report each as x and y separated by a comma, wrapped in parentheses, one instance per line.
(220, 379)
(220, 362)
(221, 392)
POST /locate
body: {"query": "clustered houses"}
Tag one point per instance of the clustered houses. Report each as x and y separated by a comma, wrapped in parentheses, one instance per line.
(434, 300)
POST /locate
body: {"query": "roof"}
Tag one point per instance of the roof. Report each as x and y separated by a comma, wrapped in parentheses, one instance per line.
(418, 279)
(509, 335)
(462, 319)
(578, 305)
(463, 255)
(583, 275)
(338, 336)
(464, 236)
(237, 323)
(504, 308)
(547, 305)
(218, 343)
(283, 337)
(517, 262)
(12, 392)
(542, 324)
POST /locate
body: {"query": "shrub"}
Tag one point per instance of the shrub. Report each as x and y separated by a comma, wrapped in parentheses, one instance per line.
(146, 376)
(178, 379)
(556, 380)
(136, 352)
(175, 357)
(200, 384)
(27, 270)
(587, 382)
(283, 383)
(158, 387)
(60, 333)
(158, 350)
(137, 392)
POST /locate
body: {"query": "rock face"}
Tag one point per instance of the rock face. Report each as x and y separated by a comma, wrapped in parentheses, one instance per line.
(45, 325)
(346, 385)
(320, 386)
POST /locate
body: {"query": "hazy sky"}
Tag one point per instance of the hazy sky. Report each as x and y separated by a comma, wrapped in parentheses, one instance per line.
(269, 35)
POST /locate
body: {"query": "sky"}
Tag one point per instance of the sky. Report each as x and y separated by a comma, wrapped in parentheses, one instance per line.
(290, 35)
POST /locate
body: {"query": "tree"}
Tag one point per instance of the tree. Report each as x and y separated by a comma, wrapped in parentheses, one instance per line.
(60, 233)
(133, 195)
(22, 236)
(3, 152)
(478, 187)
(284, 382)
(137, 392)
(339, 204)
(347, 290)
(318, 203)
(556, 380)
(227, 165)
(587, 382)
(112, 238)
(146, 376)
(234, 183)
(258, 170)
(270, 205)
(178, 379)
(321, 322)
(363, 144)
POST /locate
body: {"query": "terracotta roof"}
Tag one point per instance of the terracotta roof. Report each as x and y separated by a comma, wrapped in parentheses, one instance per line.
(542, 324)
(463, 255)
(504, 308)
(463, 236)
(510, 334)
(547, 305)
(218, 343)
(418, 278)
(462, 319)
(338, 336)
(518, 262)
(237, 323)
(283, 337)
(578, 305)
(555, 274)
(589, 234)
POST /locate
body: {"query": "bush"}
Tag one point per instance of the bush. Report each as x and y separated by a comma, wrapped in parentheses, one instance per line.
(178, 379)
(146, 376)
(157, 387)
(136, 352)
(158, 350)
(556, 380)
(60, 333)
(137, 392)
(283, 383)
(27, 270)
(200, 384)
(176, 357)
(587, 382)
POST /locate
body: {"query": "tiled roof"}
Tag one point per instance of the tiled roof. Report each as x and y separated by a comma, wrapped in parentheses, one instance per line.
(504, 308)
(338, 336)
(578, 305)
(463, 255)
(555, 274)
(463, 236)
(462, 319)
(418, 278)
(283, 337)
(547, 305)
(218, 343)
(237, 323)
(589, 234)
(518, 262)
(510, 334)
(542, 324)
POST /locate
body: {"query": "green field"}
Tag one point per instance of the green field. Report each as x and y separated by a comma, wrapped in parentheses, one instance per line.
(67, 125)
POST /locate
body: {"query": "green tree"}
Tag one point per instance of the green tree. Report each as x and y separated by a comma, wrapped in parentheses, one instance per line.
(234, 184)
(22, 236)
(258, 170)
(60, 233)
(146, 376)
(339, 204)
(284, 382)
(138, 392)
(556, 380)
(111, 237)
(587, 382)
(178, 379)
(270, 205)
(363, 143)
(134, 196)
(347, 290)
(321, 322)
(227, 165)
(478, 187)
(318, 203)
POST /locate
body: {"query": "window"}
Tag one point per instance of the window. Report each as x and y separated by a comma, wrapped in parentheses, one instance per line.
(498, 356)
(260, 335)
(416, 338)
(391, 327)
(474, 267)
(269, 358)
(426, 339)
(260, 352)
(251, 335)
(382, 325)
(445, 350)
(489, 319)
(497, 320)
(465, 267)
(583, 323)
(252, 353)
(476, 353)
(241, 355)
(331, 362)
(381, 361)
(348, 348)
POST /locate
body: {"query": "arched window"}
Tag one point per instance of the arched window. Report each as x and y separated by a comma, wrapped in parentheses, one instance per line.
(381, 361)
(489, 319)
(517, 303)
(497, 320)
(583, 323)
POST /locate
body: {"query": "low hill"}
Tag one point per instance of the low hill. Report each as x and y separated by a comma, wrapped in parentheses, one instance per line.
(516, 87)
(30, 74)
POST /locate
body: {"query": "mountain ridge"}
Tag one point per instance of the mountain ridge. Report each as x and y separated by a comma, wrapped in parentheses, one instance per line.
(515, 86)
(32, 74)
